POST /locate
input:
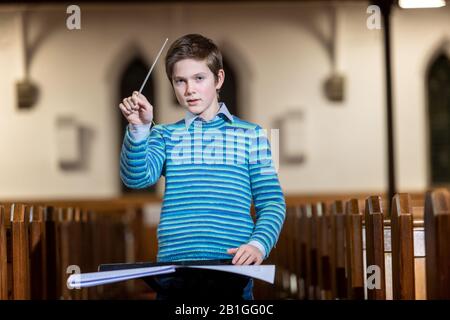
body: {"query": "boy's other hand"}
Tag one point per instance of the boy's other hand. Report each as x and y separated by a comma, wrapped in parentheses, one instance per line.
(136, 109)
(246, 254)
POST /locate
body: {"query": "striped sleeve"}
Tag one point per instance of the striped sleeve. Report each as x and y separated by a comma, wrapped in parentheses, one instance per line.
(142, 162)
(267, 195)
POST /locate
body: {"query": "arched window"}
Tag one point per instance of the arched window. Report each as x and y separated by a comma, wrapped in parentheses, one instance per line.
(131, 80)
(438, 86)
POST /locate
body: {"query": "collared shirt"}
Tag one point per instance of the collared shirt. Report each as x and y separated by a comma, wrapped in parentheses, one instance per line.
(190, 117)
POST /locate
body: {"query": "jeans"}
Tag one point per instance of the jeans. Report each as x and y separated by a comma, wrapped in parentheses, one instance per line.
(248, 291)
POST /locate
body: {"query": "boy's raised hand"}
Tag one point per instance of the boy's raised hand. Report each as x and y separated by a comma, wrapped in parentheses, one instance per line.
(246, 254)
(136, 109)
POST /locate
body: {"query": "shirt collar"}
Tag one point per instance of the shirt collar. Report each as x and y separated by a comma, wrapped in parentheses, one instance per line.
(190, 117)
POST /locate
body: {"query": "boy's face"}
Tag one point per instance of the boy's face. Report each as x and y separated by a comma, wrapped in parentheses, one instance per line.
(195, 87)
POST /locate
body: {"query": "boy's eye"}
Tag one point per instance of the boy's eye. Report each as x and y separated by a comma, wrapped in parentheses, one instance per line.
(199, 78)
(178, 81)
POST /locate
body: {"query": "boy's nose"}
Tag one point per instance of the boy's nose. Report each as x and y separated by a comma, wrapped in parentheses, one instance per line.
(189, 89)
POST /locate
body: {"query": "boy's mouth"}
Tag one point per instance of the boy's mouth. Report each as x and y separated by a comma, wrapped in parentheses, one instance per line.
(193, 101)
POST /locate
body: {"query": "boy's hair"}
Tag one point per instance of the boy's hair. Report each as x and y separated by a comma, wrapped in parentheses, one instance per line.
(194, 46)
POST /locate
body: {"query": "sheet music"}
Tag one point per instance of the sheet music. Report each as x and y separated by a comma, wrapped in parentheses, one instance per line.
(84, 280)
(91, 279)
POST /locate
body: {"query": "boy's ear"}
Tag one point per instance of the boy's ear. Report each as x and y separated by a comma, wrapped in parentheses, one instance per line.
(220, 78)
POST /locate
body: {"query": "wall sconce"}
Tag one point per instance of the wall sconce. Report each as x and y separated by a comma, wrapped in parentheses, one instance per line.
(27, 94)
(334, 87)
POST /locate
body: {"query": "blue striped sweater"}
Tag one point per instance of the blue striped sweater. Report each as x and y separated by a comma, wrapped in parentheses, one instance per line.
(213, 171)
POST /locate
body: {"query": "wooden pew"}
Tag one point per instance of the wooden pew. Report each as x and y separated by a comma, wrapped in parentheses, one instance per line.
(286, 257)
(403, 276)
(354, 251)
(46, 239)
(88, 253)
(52, 246)
(38, 253)
(64, 219)
(304, 251)
(314, 267)
(76, 247)
(419, 256)
(14, 255)
(437, 239)
(294, 254)
(374, 222)
(324, 251)
(300, 286)
(279, 258)
(395, 245)
(23, 253)
(20, 251)
(70, 238)
(338, 227)
(289, 252)
(4, 294)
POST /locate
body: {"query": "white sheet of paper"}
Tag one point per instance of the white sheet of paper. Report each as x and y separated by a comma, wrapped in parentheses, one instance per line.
(261, 272)
(91, 279)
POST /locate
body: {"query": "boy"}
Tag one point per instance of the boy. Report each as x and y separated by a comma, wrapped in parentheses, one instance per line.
(214, 163)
